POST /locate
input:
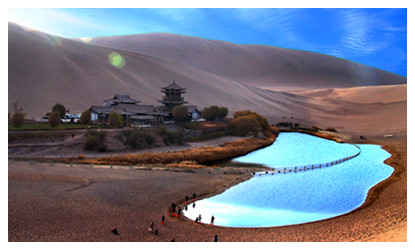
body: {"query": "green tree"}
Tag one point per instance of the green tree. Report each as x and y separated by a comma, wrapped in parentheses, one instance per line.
(215, 112)
(95, 140)
(262, 120)
(113, 119)
(54, 119)
(243, 125)
(17, 120)
(206, 114)
(85, 117)
(180, 113)
(223, 112)
(59, 108)
(120, 120)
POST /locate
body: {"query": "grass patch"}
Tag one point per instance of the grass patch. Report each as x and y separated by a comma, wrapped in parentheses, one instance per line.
(195, 156)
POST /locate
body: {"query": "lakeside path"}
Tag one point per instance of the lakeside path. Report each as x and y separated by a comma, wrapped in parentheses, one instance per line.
(60, 203)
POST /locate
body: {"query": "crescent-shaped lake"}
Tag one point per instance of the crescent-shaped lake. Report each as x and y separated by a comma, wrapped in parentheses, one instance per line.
(279, 199)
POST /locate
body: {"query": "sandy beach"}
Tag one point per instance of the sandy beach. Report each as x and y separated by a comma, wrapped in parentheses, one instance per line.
(80, 203)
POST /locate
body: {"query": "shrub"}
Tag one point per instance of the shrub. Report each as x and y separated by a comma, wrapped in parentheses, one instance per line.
(315, 128)
(94, 140)
(17, 120)
(242, 126)
(223, 112)
(85, 117)
(54, 119)
(284, 124)
(120, 120)
(136, 138)
(261, 120)
(187, 157)
(59, 108)
(170, 137)
(180, 113)
(214, 112)
(114, 120)
(271, 132)
(207, 114)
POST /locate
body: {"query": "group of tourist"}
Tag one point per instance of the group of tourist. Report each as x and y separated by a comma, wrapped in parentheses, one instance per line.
(198, 219)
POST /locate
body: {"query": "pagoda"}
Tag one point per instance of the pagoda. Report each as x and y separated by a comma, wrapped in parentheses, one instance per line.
(172, 96)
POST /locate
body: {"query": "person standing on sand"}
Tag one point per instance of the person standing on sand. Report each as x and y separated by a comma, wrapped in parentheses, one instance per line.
(212, 220)
(187, 199)
(194, 204)
(151, 228)
(162, 219)
(194, 197)
(200, 218)
(114, 231)
(216, 238)
(179, 211)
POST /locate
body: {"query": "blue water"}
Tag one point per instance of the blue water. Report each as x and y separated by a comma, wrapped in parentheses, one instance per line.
(295, 198)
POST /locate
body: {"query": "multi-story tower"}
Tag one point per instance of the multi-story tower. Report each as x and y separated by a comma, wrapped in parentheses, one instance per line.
(172, 96)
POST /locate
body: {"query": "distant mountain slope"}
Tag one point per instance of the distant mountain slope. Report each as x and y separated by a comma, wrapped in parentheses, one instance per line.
(44, 70)
(255, 65)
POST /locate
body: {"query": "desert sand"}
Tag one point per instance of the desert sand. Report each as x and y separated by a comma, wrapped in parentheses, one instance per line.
(239, 77)
(63, 203)
(80, 203)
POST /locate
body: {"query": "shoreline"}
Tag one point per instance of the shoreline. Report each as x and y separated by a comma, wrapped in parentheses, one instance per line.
(361, 224)
(371, 197)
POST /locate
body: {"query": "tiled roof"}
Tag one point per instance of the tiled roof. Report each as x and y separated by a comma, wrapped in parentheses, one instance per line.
(135, 109)
(130, 109)
(102, 109)
(142, 117)
(173, 86)
(121, 99)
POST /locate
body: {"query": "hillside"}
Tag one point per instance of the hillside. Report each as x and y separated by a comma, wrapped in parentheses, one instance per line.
(255, 65)
(44, 69)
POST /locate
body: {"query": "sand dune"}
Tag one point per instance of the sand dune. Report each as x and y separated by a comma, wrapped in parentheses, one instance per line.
(366, 94)
(256, 65)
(44, 70)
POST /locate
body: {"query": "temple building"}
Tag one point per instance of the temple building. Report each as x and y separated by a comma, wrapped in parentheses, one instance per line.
(172, 96)
(136, 114)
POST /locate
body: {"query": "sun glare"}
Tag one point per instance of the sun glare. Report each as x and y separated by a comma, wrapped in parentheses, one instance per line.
(116, 60)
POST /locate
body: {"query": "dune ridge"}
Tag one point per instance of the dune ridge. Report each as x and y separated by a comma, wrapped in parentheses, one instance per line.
(45, 69)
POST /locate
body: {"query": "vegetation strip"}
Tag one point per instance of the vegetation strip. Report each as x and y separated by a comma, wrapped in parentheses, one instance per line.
(187, 158)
